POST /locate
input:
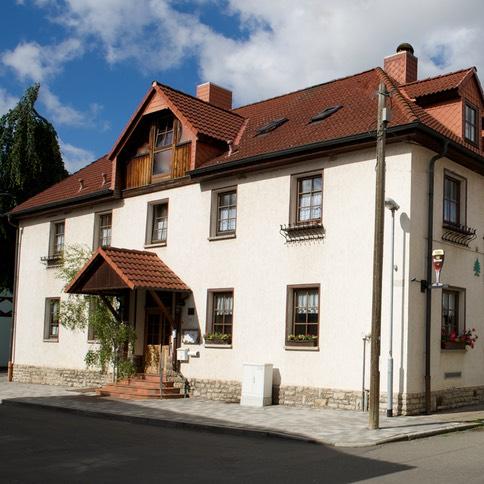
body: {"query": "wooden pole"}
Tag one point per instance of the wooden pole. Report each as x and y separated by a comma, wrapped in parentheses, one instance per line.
(374, 403)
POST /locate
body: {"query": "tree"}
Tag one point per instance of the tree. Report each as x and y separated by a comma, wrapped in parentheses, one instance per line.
(114, 339)
(30, 161)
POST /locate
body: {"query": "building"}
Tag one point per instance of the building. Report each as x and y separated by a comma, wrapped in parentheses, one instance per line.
(257, 223)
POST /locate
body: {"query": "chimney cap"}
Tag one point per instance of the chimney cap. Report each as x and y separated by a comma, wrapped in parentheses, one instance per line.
(405, 47)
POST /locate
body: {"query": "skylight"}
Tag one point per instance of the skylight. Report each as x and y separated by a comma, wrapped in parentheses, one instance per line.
(325, 113)
(270, 126)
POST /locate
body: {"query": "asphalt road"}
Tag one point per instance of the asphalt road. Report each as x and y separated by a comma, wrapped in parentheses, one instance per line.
(49, 446)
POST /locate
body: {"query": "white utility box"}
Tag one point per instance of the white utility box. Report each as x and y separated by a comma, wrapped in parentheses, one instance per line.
(182, 354)
(256, 385)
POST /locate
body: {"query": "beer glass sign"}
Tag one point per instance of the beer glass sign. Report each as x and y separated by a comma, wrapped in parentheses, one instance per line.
(437, 262)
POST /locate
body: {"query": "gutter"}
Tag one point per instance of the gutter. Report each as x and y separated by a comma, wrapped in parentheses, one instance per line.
(252, 160)
(64, 203)
(428, 295)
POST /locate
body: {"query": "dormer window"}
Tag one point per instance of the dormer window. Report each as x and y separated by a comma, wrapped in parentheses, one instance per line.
(163, 146)
(470, 124)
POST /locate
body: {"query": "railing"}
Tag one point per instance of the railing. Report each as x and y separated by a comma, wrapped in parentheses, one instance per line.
(458, 234)
(302, 231)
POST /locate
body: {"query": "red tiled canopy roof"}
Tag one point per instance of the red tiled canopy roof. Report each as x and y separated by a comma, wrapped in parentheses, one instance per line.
(135, 268)
(69, 188)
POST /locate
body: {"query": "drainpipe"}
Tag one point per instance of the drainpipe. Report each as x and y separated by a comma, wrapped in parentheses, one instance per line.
(428, 309)
(18, 238)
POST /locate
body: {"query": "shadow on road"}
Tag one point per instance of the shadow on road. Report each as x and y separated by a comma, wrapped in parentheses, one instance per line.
(46, 444)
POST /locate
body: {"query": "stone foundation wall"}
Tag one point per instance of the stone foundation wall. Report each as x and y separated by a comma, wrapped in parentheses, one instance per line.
(58, 376)
(224, 390)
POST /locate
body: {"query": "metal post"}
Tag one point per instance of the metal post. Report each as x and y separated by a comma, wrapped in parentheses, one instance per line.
(374, 416)
(393, 206)
(364, 375)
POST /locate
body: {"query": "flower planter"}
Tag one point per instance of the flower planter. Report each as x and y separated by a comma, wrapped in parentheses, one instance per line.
(218, 341)
(453, 345)
(302, 343)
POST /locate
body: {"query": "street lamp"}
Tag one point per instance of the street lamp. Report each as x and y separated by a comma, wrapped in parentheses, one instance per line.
(393, 207)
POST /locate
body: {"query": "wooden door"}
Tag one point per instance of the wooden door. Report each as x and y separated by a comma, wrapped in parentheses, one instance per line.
(156, 333)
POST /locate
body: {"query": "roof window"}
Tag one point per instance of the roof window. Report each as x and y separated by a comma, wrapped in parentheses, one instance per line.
(325, 113)
(270, 126)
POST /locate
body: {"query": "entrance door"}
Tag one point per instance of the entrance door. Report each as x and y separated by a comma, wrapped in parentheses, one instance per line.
(157, 340)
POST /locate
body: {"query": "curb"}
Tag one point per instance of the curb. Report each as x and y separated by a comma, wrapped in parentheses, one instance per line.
(161, 422)
(241, 431)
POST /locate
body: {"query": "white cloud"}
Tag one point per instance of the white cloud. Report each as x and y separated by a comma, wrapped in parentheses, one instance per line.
(7, 101)
(64, 114)
(74, 157)
(34, 62)
(276, 46)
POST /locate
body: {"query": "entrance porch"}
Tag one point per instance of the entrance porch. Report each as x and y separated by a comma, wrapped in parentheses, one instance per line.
(151, 296)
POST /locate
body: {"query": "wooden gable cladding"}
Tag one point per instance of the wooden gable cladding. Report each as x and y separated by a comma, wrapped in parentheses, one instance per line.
(103, 278)
(139, 155)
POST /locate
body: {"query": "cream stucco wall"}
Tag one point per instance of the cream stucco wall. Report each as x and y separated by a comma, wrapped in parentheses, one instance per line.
(457, 272)
(258, 265)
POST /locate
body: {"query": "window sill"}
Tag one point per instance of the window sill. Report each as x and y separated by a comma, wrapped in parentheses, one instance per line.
(51, 340)
(216, 345)
(301, 348)
(222, 237)
(157, 244)
(452, 346)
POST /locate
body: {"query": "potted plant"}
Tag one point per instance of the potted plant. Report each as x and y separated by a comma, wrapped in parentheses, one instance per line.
(302, 340)
(218, 338)
(451, 340)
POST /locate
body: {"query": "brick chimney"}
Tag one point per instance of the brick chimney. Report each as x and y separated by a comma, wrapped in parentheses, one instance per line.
(402, 66)
(216, 95)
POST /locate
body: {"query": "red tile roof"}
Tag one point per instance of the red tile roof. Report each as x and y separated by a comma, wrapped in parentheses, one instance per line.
(356, 94)
(434, 85)
(69, 188)
(206, 118)
(137, 269)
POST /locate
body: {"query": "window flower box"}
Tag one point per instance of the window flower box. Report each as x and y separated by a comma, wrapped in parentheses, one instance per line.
(451, 340)
(218, 338)
(453, 345)
(302, 340)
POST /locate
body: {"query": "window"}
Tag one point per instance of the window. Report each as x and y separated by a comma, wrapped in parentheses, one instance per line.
(157, 225)
(453, 313)
(220, 311)
(57, 239)
(454, 200)
(303, 314)
(470, 123)
(224, 213)
(51, 325)
(104, 229)
(270, 126)
(163, 146)
(451, 200)
(309, 199)
(325, 113)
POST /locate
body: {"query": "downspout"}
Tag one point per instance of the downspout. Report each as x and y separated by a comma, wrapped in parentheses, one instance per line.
(428, 309)
(18, 239)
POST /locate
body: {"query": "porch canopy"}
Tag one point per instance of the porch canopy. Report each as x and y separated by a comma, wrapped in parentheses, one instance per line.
(112, 270)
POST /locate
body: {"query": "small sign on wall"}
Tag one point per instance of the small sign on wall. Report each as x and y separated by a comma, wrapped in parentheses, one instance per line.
(190, 336)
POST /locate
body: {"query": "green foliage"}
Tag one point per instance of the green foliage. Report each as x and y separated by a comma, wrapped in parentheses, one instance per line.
(114, 340)
(30, 161)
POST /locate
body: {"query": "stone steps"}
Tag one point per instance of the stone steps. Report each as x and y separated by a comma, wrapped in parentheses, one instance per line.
(142, 386)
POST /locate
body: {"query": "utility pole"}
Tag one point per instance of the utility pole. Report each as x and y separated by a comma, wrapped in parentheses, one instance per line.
(374, 410)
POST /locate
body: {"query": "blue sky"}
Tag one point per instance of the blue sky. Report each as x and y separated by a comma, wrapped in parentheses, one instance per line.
(95, 59)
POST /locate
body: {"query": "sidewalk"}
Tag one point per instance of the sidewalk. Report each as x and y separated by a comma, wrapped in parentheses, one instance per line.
(340, 428)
